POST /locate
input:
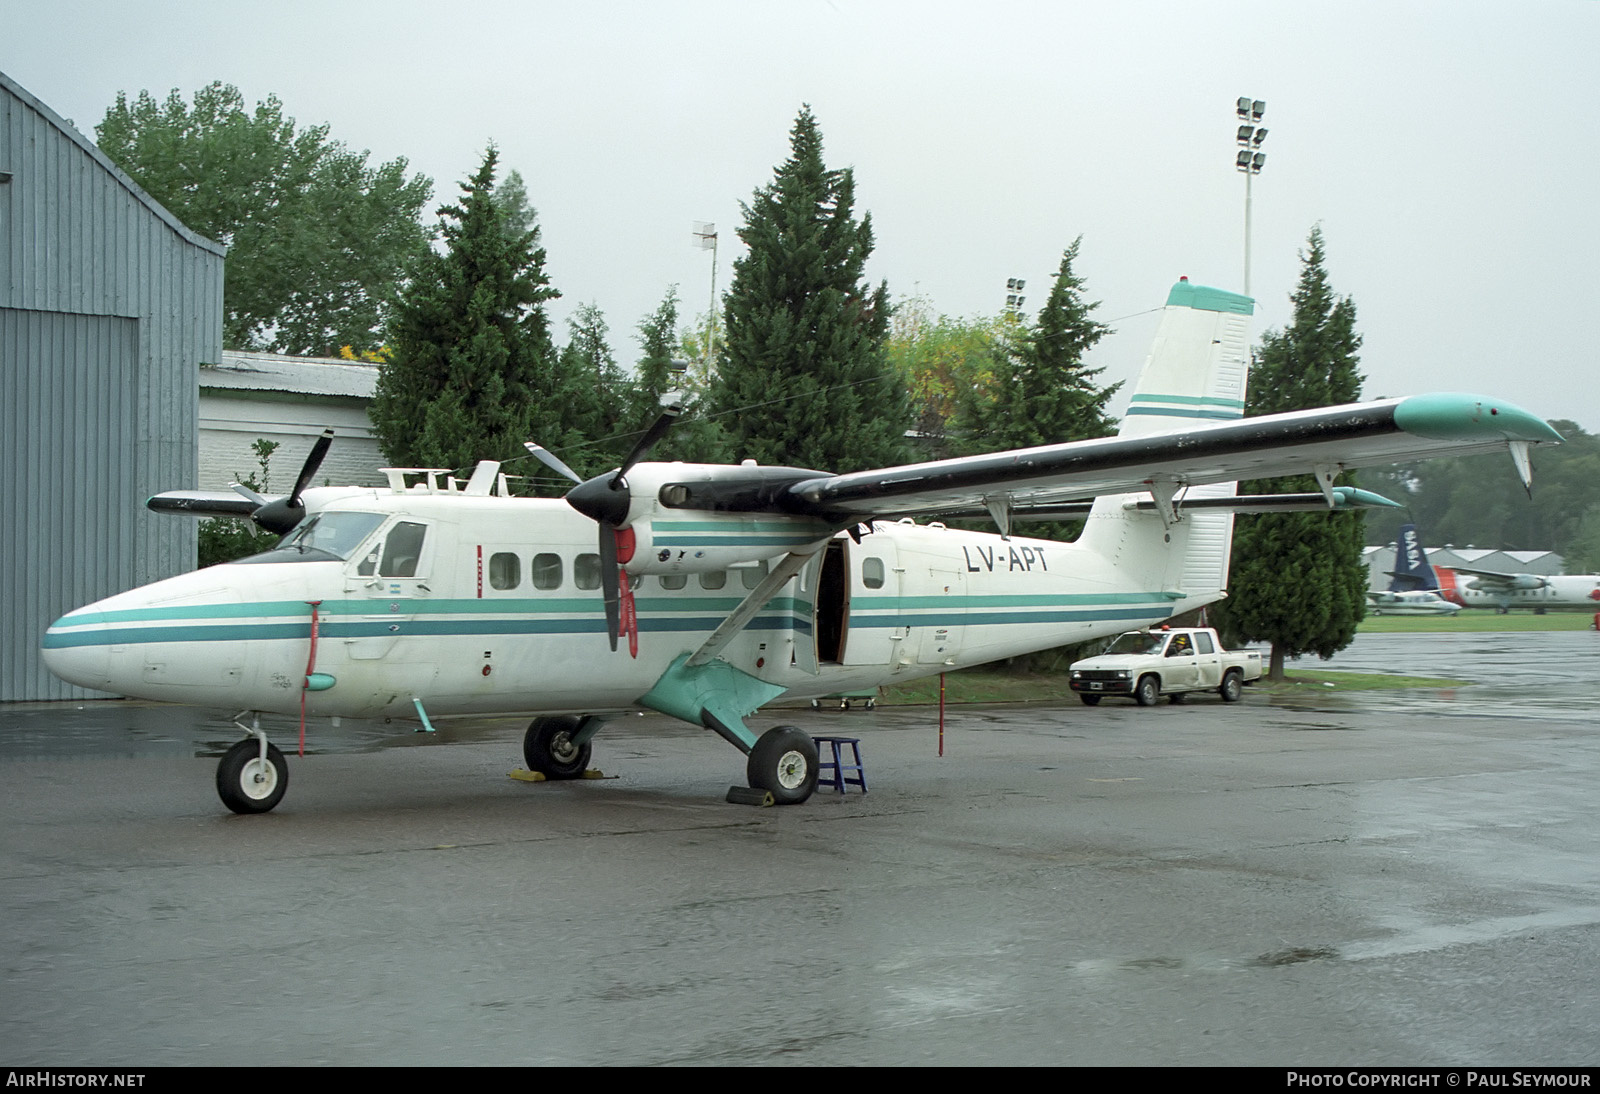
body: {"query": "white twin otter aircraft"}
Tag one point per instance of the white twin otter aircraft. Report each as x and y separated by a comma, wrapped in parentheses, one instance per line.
(732, 586)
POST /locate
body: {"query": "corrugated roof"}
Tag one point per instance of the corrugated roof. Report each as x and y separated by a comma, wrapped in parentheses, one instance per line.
(241, 371)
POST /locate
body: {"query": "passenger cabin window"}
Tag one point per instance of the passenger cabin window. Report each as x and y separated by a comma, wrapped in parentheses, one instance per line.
(714, 580)
(872, 573)
(1203, 641)
(753, 576)
(674, 581)
(546, 571)
(586, 571)
(505, 570)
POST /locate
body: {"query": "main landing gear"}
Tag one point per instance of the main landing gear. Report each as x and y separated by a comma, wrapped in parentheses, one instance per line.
(784, 763)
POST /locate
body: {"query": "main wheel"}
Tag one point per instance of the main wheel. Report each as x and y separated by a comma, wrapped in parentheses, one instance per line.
(246, 784)
(1177, 697)
(1148, 691)
(1232, 689)
(548, 749)
(784, 762)
(1089, 700)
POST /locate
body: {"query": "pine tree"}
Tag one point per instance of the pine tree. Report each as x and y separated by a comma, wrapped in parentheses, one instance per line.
(1297, 579)
(695, 437)
(593, 401)
(1041, 392)
(803, 375)
(472, 365)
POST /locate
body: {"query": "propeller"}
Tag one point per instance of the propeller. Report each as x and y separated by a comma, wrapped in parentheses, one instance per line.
(281, 514)
(606, 500)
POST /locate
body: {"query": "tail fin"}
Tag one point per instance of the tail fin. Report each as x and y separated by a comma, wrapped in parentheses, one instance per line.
(1411, 570)
(1196, 373)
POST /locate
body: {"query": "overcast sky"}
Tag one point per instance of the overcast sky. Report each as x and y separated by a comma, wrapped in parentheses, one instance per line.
(1450, 150)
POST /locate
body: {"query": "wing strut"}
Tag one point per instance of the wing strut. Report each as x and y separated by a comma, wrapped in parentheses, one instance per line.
(748, 607)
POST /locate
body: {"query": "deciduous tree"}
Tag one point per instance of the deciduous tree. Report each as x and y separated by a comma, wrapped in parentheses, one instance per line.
(317, 239)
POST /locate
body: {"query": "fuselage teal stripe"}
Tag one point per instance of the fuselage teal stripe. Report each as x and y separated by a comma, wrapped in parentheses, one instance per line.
(1001, 600)
(958, 619)
(301, 632)
(787, 526)
(742, 540)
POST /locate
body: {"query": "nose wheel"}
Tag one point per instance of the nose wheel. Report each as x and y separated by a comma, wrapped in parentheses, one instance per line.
(252, 776)
(549, 749)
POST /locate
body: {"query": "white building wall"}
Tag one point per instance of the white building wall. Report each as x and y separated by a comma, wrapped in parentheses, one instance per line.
(230, 425)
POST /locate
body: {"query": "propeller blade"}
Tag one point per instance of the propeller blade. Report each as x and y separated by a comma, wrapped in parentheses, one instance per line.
(245, 492)
(308, 470)
(549, 459)
(657, 430)
(282, 514)
(610, 581)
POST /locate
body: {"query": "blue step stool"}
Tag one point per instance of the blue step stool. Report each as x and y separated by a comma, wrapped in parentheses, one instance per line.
(830, 758)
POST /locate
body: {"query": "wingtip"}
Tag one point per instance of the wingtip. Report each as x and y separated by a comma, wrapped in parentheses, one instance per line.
(1456, 415)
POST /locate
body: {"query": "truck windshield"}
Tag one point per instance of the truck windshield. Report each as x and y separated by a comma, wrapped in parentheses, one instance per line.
(325, 537)
(1138, 642)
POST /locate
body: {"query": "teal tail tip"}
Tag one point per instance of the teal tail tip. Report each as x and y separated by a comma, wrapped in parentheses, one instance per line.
(1186, 294)
(1459, 416)
(1351, 497)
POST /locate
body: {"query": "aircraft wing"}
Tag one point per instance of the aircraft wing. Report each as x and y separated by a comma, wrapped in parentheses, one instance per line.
(1498, 581)
(1329, 439)
(204, 503)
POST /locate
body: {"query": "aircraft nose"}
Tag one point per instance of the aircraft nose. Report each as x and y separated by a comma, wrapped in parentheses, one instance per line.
(75, 652)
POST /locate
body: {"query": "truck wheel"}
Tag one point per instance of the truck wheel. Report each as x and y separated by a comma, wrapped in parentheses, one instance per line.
(1232, 689)
(1148, 691)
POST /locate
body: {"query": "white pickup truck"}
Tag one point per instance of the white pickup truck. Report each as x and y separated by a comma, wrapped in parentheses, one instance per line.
(1174, 661)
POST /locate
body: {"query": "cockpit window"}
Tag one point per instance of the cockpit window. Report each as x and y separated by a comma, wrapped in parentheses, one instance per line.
(326, 536)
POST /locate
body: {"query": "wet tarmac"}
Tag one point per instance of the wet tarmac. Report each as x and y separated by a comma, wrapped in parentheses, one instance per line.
(1358, 878)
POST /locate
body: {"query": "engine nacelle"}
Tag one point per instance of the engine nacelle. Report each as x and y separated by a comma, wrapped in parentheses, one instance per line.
(697, 518)
(695, 542)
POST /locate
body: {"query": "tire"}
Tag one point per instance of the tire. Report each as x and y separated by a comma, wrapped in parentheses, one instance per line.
(1232, 689)
(1089, 700)
(1148, 691)
(244, 784)
(548, 749)
(1177, 697)
(784, 762)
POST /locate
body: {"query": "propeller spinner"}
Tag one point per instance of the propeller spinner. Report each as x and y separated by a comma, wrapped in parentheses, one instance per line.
(606, 500)
(282, 514)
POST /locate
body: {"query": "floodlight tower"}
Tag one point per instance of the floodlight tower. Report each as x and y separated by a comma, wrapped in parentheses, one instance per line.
(1014, 297)
(1250, 160)
(705, 234)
